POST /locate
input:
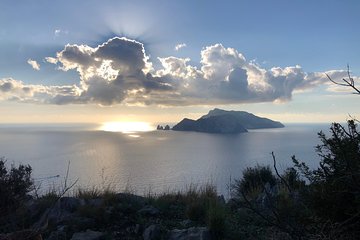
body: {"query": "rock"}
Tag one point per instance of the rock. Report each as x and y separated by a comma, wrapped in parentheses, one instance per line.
(194, 233)
(70, 204)
(57, 235)
(64, 209)
(62, 228)
(96, 202)
(81, 223)
(128, 197)
(27, 234)
(56, 215)
(137, 228)
(88, 235)
(186, 223)
(149, 211)
(152, 232)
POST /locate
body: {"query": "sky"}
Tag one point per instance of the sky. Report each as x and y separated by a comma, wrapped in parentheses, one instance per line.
(160, 61)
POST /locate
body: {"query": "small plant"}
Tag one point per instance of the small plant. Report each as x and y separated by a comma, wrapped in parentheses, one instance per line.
(216, 220)
(88, 193)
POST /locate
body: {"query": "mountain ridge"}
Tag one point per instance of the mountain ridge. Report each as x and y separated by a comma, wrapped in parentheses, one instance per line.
(223, 121)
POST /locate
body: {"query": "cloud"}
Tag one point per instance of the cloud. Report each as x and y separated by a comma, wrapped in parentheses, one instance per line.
(59, 32)
(35, 65)
(119, 72)
(179, 46)
(15, 90)
(51, 60)
(111, 71)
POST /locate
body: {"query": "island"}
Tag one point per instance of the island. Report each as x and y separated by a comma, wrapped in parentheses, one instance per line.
(223, 121)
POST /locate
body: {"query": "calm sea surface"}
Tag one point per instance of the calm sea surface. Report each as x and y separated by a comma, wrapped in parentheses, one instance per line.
(155, 161)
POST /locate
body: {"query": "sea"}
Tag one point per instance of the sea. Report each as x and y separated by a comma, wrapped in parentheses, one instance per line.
(151, 162)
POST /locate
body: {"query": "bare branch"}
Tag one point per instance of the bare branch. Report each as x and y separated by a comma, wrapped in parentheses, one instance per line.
(341, 84)
(277, 173)
(348, 82)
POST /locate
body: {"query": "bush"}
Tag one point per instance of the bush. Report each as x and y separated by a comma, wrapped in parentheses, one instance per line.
(15, 183)
(253, 181)
(326, 206)
(334, 187)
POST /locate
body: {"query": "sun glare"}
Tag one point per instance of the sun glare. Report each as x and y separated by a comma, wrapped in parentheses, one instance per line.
(126, 127)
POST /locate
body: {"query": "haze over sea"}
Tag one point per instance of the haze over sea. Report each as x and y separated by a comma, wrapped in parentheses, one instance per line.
(155, 161)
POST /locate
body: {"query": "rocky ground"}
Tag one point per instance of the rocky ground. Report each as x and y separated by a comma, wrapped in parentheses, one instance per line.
(112, 216)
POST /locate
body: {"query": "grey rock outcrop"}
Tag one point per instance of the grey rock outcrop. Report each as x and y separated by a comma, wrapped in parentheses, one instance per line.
(194, 233)
(149, 211)
(87, 235)
(152, 232)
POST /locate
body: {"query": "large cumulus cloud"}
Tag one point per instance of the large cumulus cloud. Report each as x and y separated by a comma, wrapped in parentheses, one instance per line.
(119, 72)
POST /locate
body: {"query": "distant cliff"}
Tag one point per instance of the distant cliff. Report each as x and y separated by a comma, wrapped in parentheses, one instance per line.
(222, 121)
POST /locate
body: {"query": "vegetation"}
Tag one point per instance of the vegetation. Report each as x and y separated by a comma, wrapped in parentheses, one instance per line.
(325, 206)
(15, 184)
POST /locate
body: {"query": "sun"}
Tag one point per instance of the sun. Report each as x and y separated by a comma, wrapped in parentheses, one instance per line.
(126, 127)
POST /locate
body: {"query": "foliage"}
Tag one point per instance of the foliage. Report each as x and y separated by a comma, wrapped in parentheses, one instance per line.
(15, 183)
(327, 206)
(274, 199)
(254, 179)
(334, 187)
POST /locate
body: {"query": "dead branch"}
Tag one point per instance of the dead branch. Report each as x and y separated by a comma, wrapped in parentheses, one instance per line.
(349, 82)
(279, 176)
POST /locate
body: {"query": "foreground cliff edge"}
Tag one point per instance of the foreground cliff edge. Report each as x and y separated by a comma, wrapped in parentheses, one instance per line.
(226, 122)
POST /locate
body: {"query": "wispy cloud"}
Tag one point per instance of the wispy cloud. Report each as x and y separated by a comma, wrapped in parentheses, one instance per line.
(179, 46)
(119, 72)
(51, 60)
(59, 32)
(35, 65)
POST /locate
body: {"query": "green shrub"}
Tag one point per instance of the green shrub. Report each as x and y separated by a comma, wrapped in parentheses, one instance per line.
(293, 179)
(253, 181)
(334, 187)
(15, 184)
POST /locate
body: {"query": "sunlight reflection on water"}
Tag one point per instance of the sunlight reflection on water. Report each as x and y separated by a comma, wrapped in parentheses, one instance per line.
(156, 160)
(126, 127)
